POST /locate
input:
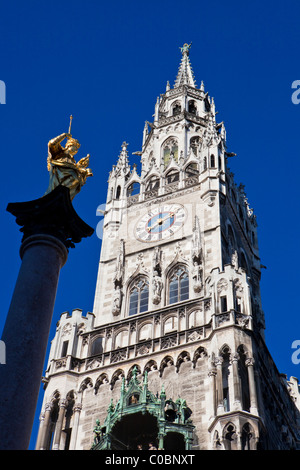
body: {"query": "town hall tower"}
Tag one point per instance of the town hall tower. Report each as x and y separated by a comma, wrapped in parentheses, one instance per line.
(173, 354)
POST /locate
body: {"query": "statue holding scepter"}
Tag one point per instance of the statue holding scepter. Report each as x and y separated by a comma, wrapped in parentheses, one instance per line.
(62, 166)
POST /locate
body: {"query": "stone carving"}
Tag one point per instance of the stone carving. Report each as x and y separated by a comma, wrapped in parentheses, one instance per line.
(197, 271)
(222, 285)
(66, 330)
(157, 285)
(117, 302)
(168, 342)
(94, 363)
(118, 280)
(235, 260)
(195, 335)
(119, 356)
(143, 349)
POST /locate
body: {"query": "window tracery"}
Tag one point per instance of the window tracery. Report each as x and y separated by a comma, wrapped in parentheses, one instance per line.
(179, 285)
(138, 296)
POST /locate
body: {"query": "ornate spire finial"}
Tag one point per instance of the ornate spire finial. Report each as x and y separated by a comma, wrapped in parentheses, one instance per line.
(185, 74)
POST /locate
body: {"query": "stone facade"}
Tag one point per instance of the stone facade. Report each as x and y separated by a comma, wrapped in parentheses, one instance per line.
(177, 295)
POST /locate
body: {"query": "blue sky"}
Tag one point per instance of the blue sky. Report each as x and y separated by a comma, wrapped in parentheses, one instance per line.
(105, 63)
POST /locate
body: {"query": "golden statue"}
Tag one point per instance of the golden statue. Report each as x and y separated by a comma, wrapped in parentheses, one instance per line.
(62, 166)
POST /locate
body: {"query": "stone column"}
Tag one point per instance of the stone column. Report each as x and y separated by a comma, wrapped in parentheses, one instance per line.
(252, 389)
(219, 385)
(45, 428)
(236, 383)
(59, 424)
(77, 409)
(50, 226)
(38, 441)
(212, 374)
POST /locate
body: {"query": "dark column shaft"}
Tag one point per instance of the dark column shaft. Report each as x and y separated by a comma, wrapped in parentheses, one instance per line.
(26, 335)
(50, 226)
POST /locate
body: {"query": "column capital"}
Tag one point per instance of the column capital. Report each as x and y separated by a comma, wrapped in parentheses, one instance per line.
(51, 215)
(249, 361)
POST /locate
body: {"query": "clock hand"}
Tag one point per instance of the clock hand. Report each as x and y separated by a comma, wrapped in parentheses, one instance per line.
(161, 221)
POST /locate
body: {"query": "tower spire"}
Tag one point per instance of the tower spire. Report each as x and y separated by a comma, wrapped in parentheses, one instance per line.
(123, 159)
(185, 74)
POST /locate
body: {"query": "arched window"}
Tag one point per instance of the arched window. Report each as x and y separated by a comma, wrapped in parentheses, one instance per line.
(191, 170)
(225, 354)
(179, 285)
(138, 296)
(212, 161)
(194, 144)
(244, 380)
(97, 346)
(170, 150)
(153, 183)
(172, 176)
(118, 192)
(176, 109)
(133, 189)
(192, 107)
(244, 263)
(121, 339)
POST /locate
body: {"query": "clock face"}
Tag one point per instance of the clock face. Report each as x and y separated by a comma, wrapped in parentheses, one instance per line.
(160, 223)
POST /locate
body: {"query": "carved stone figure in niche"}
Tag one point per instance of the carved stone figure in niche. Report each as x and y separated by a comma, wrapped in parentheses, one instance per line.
(117, 303)
(197, 277)
(197, 271)
(157, 260)
(235, 260)
(157, 285)
(120, 265)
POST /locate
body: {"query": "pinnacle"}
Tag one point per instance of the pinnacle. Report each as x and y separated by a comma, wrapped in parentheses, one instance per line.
(185, 74)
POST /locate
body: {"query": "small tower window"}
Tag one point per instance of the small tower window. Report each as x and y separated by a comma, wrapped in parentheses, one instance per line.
(170, 150)
(179, 286)
(212, 161)
(172, 177)
(176, 109)
(133, 189)
(223, 303)
(192, 107)
(118, 193)
(64, 349)
(97, 346)
(153, 183)
(138, 297)
(191, 170)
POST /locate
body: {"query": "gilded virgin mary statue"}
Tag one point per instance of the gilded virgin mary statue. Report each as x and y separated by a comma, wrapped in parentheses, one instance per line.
(62, 166)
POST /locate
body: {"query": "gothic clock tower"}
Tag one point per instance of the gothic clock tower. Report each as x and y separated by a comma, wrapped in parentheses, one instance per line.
(173, 354)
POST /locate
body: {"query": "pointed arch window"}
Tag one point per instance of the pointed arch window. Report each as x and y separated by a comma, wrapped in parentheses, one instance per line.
(133, 189)
(170, 150)
(212, 161)
(176, 109)
(138, 296)
(192, 107)
(179, 285)
(118, 193)
(172, 177)
(153, 183)
(191, 170)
